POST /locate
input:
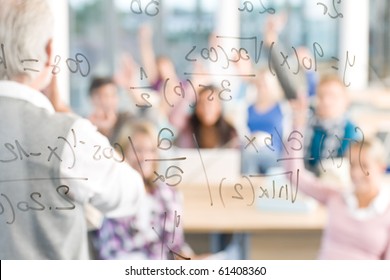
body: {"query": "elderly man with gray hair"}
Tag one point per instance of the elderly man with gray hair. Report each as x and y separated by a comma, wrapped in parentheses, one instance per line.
(51, 163)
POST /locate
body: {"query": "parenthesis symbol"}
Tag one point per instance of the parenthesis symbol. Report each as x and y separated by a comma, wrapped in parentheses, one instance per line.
(253, 191)
(220, 192)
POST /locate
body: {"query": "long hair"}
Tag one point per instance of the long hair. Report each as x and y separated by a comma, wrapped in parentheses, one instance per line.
(226, 131)
(130, 130)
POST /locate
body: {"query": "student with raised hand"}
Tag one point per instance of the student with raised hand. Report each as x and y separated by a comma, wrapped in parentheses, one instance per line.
(47, 167)
(329, 131)
(175, 95)
(358, 225)
(156, 231)
(268, 117)
(157, 68)
(273, 26)
(210, 129)
(268, 120)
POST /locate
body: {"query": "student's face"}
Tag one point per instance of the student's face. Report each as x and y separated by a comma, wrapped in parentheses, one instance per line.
(362, 161)
(332, 101)
(264, 88)
(105, 98)
(166, 68)
(208, 111)
(146, 149)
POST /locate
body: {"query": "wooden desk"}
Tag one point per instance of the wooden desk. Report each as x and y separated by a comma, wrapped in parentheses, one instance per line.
(236, 216)
(288, 228)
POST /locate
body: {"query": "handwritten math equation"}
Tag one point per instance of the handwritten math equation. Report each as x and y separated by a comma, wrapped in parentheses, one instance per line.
(223, 57)
(151, 8)
(172, 173)
(255, 190)
(174, 92)
(36, 202)
(295, 142)
(183, 90)
(165, 242)
(78, 64)
(259, 7)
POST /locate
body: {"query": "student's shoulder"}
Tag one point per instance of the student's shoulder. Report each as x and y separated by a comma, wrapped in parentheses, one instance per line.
(165, 192)
(351, 130)
(62, 120)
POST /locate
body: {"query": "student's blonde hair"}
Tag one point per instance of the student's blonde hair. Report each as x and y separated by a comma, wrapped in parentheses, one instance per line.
(26, 27)
(331, 78)
(128, 132)
(135, 127)
(374, 147)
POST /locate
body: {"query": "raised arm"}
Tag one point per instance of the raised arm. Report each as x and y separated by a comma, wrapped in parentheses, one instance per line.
(285, 77)
(148, 55)
(306, 181)
(53, 94)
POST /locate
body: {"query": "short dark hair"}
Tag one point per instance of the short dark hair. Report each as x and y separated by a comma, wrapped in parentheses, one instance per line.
(98, 82)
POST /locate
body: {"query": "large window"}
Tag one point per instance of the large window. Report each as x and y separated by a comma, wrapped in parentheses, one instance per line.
(380, 41)
(103, 30)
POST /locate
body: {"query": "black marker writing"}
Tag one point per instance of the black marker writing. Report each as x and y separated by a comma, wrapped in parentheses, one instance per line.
(204, 168)
(78, 64)
(3, 61)
(27, 68)
(295, 142)
(162, 237)
(35, 203)
(173, 174)
(220, 55)
(151, 9)
(249, 7)
(274, 190)
(325, 7)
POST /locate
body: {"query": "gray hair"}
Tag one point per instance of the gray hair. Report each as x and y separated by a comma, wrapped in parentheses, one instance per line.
(26, 26)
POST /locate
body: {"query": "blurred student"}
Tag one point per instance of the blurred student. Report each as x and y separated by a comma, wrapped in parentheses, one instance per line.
(55, 175)
(268, 120)
(208, 124)
(105, 114)
(329, 131)
(211, 131)
(311, 76)
(176, 96)
(272, 29)
(358, 225)
(156, 231)
(268, 117)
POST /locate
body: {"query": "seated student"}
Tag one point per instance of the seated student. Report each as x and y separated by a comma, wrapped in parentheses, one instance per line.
(156, 231)
(268, 117)
(105, 114)
(208, 124)
(330, 130)
(358, 224)
(211, 130)
(267, 120)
